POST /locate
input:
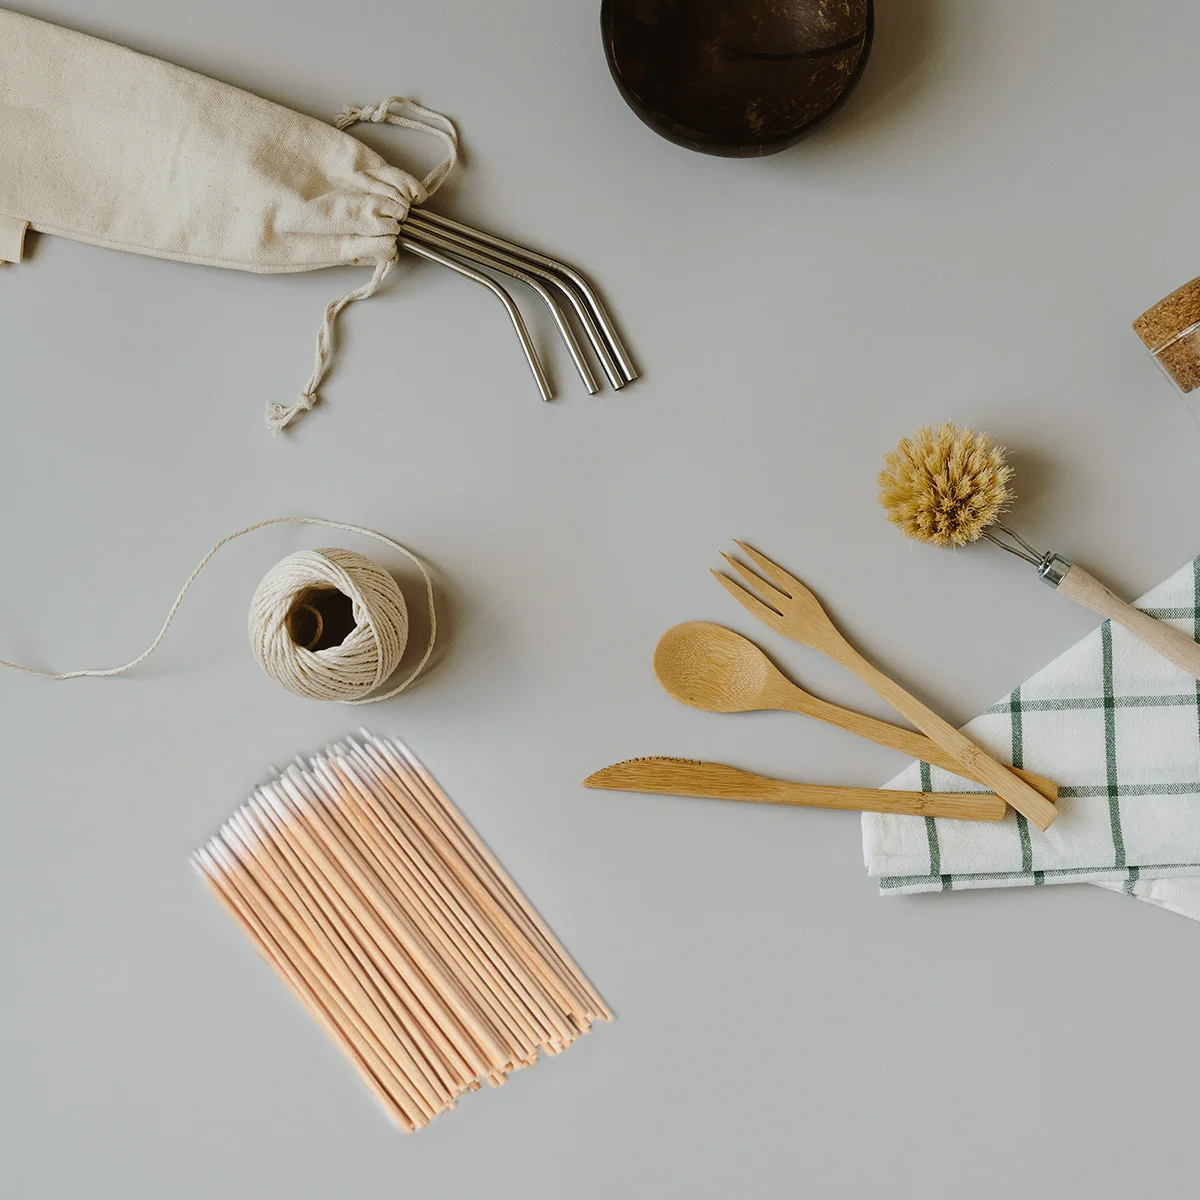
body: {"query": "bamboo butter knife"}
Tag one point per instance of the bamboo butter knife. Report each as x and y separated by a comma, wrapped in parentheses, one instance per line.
(716, 781)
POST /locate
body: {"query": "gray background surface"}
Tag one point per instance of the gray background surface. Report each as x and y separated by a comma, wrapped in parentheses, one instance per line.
(969, 239)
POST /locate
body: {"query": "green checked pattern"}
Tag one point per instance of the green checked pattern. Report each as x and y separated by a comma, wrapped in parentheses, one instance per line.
(1118, 728)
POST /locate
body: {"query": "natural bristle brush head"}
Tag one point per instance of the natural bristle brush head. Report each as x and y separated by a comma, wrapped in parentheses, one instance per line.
(945, 485)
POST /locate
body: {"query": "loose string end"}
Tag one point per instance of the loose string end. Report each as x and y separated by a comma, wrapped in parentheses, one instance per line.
(280, 416)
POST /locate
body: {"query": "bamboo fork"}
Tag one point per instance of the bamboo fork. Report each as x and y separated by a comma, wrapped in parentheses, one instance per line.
(792, 610)
(716, 670)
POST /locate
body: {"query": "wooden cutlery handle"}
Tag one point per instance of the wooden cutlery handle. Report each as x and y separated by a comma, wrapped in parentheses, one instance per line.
(971, 759)
(962, 806)
(1173, 644)
(907, 741)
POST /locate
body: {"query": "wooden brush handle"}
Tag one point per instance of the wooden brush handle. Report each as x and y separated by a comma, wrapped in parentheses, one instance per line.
(1173, 644)
(907, 741)
(973, 761)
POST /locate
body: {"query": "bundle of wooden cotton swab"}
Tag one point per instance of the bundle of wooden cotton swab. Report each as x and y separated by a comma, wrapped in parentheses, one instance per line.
(362, 885)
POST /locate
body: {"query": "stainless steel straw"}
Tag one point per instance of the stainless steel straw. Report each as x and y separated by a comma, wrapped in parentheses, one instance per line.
(438, 236)
(450, 242)
(533, 258)
(495, 261)
(531, 356)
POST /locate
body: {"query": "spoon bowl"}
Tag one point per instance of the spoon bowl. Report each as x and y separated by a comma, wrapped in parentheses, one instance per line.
(712, 668)
(739, 78)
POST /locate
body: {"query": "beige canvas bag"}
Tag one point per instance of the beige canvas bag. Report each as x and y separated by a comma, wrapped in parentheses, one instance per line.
(105, 145)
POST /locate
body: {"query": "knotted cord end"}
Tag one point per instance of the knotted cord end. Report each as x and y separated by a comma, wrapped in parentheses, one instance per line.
(280, 416)
(350, 115)
(424, 120)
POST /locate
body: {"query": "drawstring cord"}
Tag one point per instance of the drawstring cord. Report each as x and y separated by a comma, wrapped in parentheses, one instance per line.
(414, 191)
(382, 114)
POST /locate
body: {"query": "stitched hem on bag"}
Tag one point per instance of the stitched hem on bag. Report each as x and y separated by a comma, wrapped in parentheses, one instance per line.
(230, 264)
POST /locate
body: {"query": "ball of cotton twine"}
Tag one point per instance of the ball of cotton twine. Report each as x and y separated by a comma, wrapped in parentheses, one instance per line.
(289, 598)
(363, 660)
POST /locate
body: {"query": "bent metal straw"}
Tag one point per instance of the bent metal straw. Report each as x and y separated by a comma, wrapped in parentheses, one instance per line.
(365, 889)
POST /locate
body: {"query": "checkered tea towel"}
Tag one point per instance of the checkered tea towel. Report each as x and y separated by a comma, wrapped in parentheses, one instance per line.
(1118, 727)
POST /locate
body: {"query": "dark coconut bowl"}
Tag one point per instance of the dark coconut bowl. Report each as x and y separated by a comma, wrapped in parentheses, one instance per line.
(740, 78)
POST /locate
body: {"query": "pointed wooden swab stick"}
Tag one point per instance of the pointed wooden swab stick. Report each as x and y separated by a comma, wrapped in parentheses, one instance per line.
(402, 826)
(415, 939)
(409, 825)
(361, 885)
(521, 936)
(453, 1007)
(449, 1066)
(399, 1000)
(273, 956)
(392, 878)
(406, 800)
(302, 910)
(438, 1081)
(312, 970)
(512, 1001)
(437, 1017)
(309, 941)
(488, 862)
(395, 858)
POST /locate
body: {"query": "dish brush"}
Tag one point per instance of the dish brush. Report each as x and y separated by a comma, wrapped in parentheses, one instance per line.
(948, 486)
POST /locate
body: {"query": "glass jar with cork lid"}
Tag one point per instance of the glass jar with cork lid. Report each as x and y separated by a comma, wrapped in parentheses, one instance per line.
(1171, 332)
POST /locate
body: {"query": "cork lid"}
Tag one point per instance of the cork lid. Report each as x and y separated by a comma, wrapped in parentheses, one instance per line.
(1168, 317)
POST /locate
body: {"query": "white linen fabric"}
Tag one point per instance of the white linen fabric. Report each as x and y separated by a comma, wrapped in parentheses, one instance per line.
(105, 145)
(1118, 728)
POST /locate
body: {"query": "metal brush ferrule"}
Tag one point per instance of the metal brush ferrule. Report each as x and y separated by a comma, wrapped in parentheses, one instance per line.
(1052, 569)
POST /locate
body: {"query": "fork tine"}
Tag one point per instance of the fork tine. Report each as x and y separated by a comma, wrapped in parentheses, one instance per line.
(757, 582)
(788, 584)
(752, 604)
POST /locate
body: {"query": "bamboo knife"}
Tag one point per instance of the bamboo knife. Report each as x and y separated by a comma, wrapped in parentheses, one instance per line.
(716, 781)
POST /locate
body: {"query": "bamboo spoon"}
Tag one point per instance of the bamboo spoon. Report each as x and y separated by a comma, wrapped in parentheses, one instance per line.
(714, 669)
(796, 613)
(716, 781)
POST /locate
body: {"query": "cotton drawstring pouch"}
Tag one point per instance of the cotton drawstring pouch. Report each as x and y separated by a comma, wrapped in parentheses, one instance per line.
(104, 145)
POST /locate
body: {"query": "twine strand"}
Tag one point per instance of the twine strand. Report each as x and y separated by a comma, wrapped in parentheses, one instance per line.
(349, 672)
